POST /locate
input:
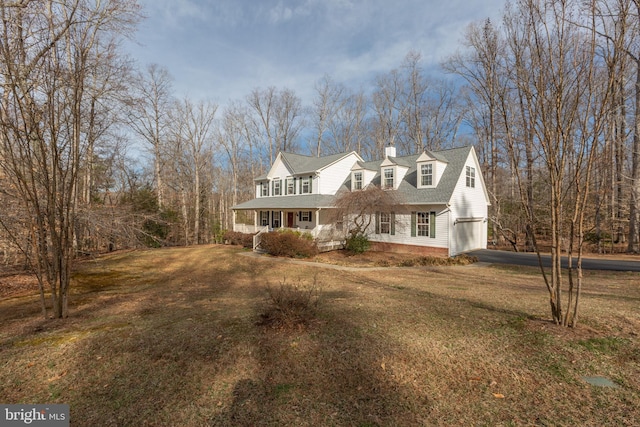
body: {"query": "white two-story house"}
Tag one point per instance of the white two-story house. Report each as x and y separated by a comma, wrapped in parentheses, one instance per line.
(443, 194)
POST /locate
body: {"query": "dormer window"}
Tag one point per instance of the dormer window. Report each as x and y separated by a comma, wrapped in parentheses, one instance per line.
(426, 175)
(429, 170)
(357, 181)
(388, 178)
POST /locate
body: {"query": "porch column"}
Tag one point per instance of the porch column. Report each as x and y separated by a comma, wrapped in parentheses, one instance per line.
(233, 220)
(316, 222)
(255, 221)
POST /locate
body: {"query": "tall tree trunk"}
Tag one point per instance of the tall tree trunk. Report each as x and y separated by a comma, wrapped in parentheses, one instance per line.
(634, 219)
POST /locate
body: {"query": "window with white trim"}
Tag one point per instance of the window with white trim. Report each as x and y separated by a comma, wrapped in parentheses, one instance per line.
(426, 174)
(305, 186)
(305, 216)
(422, 224)
(385, 223)
(276, 187)
(357, 181)
(264, 186)
(388, 177)
(471, 177)
(291, 187)
(264, 218)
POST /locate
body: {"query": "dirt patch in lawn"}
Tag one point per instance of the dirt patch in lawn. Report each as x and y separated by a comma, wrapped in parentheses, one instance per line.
(177, 337)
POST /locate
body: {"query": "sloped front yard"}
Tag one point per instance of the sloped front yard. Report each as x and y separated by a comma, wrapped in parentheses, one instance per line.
(176, 337)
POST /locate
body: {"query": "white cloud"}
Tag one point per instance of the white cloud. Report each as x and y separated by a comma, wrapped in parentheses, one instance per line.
(223, 49)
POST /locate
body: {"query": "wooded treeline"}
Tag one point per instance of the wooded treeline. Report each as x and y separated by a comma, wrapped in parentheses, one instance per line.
(97, 153)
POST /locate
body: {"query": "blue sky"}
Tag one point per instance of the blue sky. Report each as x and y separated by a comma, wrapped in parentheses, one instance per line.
(222, 49)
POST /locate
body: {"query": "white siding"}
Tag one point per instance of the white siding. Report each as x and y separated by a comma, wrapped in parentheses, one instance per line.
(403, 229)
(279, 170)
(439, 170)
(332, 177)
(467, 203)
(400, 173)
(368, 177)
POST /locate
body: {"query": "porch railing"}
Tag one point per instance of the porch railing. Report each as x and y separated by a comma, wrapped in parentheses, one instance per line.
(257, 238)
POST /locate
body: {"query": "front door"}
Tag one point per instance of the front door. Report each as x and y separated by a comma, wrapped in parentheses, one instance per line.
(290, 219)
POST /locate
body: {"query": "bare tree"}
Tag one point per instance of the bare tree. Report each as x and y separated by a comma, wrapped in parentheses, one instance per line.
(44, 67)
(327, 104)
(349, 129)
(481, 68)
(564, 95)
(234, 139)
(149, 117)
(357, 209)
(288, 121)
(278, 119)
(634, 210)
(193, 137)
(388, 109)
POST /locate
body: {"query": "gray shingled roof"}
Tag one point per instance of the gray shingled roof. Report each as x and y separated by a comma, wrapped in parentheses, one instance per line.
(408, 189)
(456, 158)
(304, 201)
(299, 164)
(307, 164)
(411, 195)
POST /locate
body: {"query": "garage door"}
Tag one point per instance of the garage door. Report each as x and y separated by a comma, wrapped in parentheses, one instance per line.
(468, 235)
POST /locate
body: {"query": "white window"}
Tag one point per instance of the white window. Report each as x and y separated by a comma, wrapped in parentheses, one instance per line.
(305, 216)
(291, 188)
(385, 223)
(471, 177)
(264, 218)
(357, 181)
(388, 178)
(305, 186)
(422, 224)
(426, 174)
(276, 187)
(264, 189)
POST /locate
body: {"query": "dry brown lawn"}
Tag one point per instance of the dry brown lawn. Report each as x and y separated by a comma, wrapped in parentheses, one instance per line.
(174, 337)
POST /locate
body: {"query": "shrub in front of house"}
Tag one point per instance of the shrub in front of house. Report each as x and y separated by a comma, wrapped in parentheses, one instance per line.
(288, 244)
(237, 238)
(358, 243)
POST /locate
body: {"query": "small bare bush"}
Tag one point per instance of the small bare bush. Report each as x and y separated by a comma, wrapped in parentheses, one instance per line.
(435, 261)
(292, 304)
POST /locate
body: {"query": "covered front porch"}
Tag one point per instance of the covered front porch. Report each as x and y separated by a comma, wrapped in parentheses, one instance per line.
(317, 222)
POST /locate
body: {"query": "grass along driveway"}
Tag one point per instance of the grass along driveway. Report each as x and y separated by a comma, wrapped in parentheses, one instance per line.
(174, 337)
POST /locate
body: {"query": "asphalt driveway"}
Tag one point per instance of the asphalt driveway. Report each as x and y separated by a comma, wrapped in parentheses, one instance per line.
(530, 259)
